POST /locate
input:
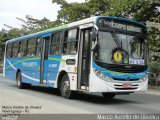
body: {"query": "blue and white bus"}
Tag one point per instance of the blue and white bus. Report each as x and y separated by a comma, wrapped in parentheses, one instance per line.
(98, 54)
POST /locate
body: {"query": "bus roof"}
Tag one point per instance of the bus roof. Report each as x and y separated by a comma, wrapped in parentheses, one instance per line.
(81, 22)
(122, 19)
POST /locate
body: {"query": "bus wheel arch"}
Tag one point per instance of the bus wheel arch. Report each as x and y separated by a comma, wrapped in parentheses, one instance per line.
(61, 74)
(17, 72)
(64, 85)
(20, 84)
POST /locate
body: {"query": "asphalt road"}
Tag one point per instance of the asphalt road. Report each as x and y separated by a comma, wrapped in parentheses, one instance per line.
(41, 100)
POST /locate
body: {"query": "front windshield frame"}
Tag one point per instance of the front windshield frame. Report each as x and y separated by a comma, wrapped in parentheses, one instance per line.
(138, 35)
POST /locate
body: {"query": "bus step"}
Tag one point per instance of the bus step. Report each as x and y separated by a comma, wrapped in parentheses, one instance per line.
(43, 85)
(85, 91)
(84, 88)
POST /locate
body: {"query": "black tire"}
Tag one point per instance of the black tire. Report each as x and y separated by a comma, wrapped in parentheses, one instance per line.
(65, 88)
(109, 95)
(20, 84)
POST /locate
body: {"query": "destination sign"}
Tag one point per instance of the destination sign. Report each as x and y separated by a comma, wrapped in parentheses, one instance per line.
(119, 25)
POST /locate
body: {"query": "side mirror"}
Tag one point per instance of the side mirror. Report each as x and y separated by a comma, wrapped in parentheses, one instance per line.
(94, 40)
(94, 35)
(94, 45)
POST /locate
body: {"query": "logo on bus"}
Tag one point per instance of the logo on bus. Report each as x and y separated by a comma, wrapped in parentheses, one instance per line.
(52, 65)
(127, 79)
(117, 56)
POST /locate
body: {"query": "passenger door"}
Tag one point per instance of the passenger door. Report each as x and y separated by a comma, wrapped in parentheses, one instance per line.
(44, 59)
(84, 59)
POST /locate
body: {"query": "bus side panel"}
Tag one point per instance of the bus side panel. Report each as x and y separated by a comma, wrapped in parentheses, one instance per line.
(71, 69)
(29, 68)
(56, 64)
(73, 81)
(53, 70)
(10, 70)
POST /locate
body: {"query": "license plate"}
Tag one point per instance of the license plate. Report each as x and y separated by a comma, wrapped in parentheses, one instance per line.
(127, 85)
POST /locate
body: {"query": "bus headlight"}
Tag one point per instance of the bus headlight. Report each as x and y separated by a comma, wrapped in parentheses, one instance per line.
(102, 76)
(144, 79)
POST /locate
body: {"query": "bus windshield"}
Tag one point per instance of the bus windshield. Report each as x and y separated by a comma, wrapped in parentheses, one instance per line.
(121, 48)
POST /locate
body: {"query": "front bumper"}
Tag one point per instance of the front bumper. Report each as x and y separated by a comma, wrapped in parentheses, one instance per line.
(99, 85)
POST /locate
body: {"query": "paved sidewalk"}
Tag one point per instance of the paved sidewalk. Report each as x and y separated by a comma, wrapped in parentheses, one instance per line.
(155, 92)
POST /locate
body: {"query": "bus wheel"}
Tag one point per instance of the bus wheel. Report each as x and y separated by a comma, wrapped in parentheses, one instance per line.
(20, 84)
(109, 95)
(65, 87)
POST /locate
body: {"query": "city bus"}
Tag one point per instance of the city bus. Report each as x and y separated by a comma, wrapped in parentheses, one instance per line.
(104, 54)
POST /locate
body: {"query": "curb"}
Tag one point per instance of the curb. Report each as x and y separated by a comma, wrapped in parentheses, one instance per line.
(153, 92)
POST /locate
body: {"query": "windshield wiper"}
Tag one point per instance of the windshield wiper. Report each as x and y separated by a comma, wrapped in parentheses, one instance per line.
(116, 39)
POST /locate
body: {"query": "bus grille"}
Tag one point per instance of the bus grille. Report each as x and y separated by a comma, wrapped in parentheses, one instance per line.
(126, 70)
(120, 87)
(123, 67)
(125, 88)
(125, 79)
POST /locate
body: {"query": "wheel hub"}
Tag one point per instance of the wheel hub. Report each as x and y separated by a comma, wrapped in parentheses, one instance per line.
(65, 87)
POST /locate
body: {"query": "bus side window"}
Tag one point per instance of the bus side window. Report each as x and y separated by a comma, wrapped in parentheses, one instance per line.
(56, 43)
(22, 49)
(31, 47)
(19, 53)
(15, 50)
(38, 47)
(53, 43)
(71, 41)
(65, 42)
(61, 41)
(9, 50)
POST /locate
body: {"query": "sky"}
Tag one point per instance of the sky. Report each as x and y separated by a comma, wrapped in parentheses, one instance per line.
(10, 9)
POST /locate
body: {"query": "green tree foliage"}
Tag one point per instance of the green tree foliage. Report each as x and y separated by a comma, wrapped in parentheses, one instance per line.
(72, 12)
(98, 7)
(28, 25)
(154, 39)
(3, 36)
(140, 10)
(76, 11)
(154, 68)
(31, 25)
(6, 35)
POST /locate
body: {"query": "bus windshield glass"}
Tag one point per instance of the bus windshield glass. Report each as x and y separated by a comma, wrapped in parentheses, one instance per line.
(115, 48)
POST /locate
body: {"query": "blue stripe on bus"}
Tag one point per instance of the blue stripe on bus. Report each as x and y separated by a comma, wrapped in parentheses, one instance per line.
(119, 75)
(30, 69)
